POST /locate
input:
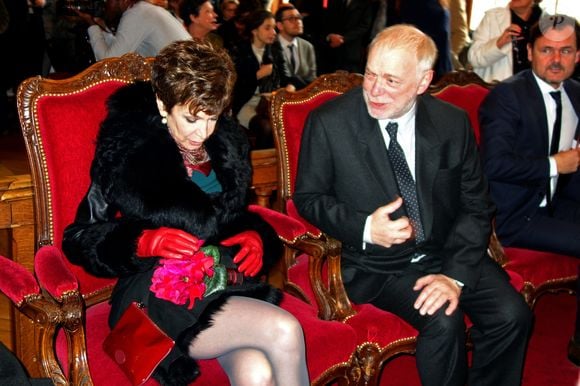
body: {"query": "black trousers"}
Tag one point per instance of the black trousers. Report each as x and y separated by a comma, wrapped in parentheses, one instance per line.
(502, 322)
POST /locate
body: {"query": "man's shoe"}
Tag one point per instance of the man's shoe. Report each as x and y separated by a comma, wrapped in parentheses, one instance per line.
(574, 352)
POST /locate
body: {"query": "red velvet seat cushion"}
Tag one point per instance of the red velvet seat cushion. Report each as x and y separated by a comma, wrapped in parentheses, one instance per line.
(539, 267)
(337, 341)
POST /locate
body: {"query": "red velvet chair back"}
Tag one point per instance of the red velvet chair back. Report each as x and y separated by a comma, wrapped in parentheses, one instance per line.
(542, 272)
(288, 114)
(60, 120)
(465, 90)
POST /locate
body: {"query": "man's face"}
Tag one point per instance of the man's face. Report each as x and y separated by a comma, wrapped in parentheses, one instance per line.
(229, 11)
(554, 55)
(291, 23)
(391, 83)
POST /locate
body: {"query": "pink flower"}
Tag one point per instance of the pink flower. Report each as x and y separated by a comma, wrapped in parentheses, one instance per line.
(181, 280)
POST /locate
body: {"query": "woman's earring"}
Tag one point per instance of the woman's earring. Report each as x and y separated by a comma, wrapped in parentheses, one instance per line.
(164, 119)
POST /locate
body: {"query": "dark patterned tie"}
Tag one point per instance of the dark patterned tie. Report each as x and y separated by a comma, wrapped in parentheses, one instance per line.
(554, 146)
(557, 123)
(292, 59)
(405, 181)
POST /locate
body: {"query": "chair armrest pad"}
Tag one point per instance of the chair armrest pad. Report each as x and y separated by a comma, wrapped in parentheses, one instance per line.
(286, 227)
(53, 273)
(16, 282)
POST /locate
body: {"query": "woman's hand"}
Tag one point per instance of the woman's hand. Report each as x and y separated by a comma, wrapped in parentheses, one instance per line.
(264, 71)
(169, 243)
(510, 33)
(249, 258)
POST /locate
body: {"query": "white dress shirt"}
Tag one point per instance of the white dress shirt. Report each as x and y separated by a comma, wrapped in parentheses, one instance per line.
(568, 128)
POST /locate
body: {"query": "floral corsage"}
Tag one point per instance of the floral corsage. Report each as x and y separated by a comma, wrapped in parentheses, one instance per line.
(180, 280)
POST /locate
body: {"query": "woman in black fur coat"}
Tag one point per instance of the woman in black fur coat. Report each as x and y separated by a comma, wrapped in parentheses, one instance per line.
(170, 175)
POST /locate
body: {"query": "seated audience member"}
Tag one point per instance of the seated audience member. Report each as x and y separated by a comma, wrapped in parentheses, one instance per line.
(299, 53)
(200, 20)
(499, 47)
(170, 177)
(395, 175)
(261, 69)
(345, 27)
(530, 146)
(228, 9)
(233, 30)
(143, 28)
(431, 17)
(460, 39)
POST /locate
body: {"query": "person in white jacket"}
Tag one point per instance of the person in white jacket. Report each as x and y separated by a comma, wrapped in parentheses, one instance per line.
(143, 28)
(499, 42)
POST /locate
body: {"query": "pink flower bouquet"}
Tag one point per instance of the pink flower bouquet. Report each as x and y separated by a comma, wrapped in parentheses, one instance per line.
(180, 280)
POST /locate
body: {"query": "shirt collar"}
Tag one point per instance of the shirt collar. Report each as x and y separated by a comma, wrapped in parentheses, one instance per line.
(403, 121)
(285, 42)
(546, 87)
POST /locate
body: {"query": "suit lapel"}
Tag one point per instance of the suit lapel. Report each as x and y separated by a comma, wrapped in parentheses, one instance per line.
(573, 91)
(427, 159)
(535, 107)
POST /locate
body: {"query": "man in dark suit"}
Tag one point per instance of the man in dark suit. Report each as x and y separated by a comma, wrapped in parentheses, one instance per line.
(346, 26)
(417, 250)
(530, 145)
(298, 53)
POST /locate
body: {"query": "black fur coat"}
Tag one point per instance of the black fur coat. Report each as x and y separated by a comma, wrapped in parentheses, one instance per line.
(138, 182)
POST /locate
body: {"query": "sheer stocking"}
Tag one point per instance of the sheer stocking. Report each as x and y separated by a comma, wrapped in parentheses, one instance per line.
(256, 343)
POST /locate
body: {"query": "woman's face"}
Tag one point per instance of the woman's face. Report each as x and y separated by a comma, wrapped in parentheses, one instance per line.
(188, 131)
(521, 5)
(207, 18)
(266, 32)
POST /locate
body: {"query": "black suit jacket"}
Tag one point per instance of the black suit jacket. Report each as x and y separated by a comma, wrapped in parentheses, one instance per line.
(515, 149)
(344, 175)
(353, 22)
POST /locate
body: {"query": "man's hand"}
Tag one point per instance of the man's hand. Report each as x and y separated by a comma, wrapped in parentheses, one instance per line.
(436, 290)
(387, 232)
(249, 257)
(335, 40)
(567, 161)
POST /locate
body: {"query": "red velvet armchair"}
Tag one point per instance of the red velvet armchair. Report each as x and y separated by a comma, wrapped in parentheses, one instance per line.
(313, 266)
(542, 272)
(66, 322)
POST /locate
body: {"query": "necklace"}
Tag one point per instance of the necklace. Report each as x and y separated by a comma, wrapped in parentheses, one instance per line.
(194, 157)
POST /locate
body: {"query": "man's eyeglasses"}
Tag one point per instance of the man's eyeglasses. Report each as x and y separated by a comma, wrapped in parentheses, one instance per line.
(293, 19)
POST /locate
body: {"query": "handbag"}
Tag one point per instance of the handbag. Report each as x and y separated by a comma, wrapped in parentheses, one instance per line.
(137, 344)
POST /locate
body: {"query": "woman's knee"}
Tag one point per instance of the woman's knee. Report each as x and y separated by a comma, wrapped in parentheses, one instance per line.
(248, 367)
(286, 331)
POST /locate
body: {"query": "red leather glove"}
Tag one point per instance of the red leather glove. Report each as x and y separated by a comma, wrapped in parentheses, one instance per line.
(249, 258)
(169, 243)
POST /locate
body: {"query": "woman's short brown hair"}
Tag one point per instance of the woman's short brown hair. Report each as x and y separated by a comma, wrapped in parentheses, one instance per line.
(194, 73)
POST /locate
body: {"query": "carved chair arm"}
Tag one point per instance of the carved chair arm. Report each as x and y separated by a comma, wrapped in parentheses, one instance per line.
(324, 253)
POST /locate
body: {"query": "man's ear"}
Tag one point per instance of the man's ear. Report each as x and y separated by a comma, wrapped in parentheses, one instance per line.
(530, 50)
(425, 81)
